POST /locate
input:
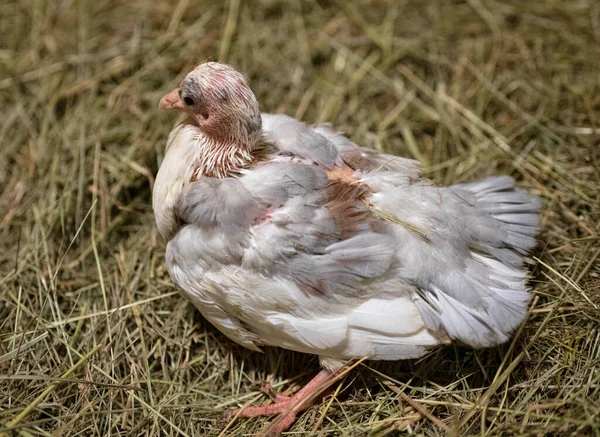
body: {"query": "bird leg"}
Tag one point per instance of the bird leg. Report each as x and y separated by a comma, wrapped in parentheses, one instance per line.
(288, 406)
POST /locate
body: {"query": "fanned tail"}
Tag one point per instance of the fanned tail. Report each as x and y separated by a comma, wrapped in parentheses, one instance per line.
(502, 237)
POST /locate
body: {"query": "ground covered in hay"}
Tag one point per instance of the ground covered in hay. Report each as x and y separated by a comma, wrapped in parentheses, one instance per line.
(95, 340)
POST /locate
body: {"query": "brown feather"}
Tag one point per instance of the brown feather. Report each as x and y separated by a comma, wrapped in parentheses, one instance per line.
(345, 199)
(356, 160)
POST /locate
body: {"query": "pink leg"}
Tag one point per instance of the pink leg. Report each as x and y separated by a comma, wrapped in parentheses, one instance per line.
(288, 406)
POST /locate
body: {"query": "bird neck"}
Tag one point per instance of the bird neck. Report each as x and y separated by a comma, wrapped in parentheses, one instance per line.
(221, 157)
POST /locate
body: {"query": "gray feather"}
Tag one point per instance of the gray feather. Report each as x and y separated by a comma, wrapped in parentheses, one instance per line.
(363, 158)
(482, 302)
(218, 202)
(296, 138)
(275, 183)
(344, 266)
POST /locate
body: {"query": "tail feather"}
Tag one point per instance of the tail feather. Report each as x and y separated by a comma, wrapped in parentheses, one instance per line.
(516, 211)
(505, 221)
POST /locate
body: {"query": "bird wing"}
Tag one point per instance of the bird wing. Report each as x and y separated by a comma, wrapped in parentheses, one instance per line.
(316, 229)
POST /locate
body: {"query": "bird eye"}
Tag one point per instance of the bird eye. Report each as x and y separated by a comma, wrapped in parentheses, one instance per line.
(189, 101)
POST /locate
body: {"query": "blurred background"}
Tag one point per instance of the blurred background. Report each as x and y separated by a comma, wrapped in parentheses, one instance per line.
(94, 338)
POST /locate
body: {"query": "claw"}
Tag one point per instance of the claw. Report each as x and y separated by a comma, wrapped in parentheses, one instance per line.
(287, 406)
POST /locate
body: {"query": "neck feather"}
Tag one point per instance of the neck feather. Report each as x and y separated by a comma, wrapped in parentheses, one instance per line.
(220, 158)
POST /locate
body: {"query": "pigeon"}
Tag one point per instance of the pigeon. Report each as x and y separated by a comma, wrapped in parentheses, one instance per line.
(291, 235)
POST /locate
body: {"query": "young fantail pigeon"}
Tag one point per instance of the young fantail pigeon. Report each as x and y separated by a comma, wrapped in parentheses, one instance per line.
(289, 235)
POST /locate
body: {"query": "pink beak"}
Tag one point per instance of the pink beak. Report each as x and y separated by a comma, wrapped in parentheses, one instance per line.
(172, 101)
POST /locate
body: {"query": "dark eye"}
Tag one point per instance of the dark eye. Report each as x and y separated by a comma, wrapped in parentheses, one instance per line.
(189, 101)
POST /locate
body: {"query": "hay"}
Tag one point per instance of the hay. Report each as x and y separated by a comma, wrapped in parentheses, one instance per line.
(94, 340)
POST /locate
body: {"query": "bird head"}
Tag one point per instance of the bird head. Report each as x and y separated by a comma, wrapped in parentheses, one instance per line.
(220, 101)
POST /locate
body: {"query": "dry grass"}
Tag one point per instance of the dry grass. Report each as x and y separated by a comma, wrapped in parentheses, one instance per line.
(94, 340)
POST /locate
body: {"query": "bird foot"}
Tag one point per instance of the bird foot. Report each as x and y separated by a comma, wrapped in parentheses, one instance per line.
(281, 404)
(287, 406)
